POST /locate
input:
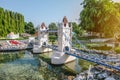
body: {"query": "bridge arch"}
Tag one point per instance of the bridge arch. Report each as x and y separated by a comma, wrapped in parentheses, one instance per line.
(66, 48)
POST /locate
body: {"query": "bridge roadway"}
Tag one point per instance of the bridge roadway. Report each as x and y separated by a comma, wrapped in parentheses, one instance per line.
(50, 31)
(94, 60)
(92, 57)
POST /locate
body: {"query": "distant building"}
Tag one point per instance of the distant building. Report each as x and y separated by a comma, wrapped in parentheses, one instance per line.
(25, 35)
(94, 34)
(32, 39)
(12, 35)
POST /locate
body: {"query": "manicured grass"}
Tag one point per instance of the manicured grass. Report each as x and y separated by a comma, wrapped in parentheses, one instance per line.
(87, 38)
(105, 48)
(13, 39)
(98, 46)
(95, 44)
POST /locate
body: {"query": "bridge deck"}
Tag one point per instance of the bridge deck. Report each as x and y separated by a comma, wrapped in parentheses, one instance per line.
(92, 57)
(94, 60)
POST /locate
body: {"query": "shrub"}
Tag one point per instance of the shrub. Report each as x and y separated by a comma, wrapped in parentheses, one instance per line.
(117, 50)
(84, 64)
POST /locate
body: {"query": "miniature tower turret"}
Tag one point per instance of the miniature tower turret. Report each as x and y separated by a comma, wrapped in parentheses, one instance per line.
(64, 43)
(42, 40)
(64, 35)
(43, 35)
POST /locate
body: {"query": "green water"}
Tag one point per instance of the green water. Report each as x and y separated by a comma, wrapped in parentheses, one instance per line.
(24, 65)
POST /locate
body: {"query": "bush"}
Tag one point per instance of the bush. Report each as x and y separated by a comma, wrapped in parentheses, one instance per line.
(52, 38)
(117, 50)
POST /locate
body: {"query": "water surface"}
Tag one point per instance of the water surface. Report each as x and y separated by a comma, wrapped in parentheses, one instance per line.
(23, 65)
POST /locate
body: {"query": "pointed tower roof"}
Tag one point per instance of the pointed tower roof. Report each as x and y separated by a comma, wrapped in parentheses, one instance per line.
(43, 25)
(65, 21)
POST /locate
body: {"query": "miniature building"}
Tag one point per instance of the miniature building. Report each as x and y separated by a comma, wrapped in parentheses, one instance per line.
(64, 44)
(43, 35)
(64, 35)
(42, 40)
(12, 35)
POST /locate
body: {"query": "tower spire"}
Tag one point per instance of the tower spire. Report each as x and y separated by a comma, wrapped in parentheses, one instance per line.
(65, 21)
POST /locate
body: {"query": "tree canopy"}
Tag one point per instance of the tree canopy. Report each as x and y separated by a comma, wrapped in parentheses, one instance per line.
(52, 26)
(10, 22)
(101, 16)
(52, 36)
(29, 28)
(77, 29)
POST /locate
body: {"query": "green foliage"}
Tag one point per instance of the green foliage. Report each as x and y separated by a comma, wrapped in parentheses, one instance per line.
(117, 50)
(77, 29)
(21, 38)
(101, 16)
(84, 64)
(29, 28)
(9, 57)
(52, 36)
(10, 22)
(52, 26)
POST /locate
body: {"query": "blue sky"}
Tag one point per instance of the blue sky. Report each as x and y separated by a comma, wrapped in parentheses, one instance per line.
(47, 11)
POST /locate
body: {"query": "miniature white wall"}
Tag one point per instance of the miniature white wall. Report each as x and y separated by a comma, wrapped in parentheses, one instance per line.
(64, 37)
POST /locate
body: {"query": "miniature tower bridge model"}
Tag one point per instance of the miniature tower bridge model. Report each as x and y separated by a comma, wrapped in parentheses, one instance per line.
(63, 52)
(42, 40)
(64, 44)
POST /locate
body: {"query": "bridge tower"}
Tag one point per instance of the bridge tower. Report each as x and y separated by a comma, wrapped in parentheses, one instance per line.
(64, 43)
(42, 35)
(42, 40)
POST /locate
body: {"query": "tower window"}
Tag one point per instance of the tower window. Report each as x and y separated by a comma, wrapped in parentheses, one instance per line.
(64, 25)
(44, 43)
(66, 48)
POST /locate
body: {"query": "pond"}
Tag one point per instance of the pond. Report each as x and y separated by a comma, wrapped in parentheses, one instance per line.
(23, 65)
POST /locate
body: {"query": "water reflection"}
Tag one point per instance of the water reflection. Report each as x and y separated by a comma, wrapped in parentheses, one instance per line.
(23, 68)
(27, 66)
(70, 68)
(74, 65)
(9, 56)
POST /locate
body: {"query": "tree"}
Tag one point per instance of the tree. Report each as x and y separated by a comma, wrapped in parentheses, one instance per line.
(1, 21)
(52, 26)
(10, 22)
(99, 16)
(52, 36)
(77, 29)
(29, 28)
